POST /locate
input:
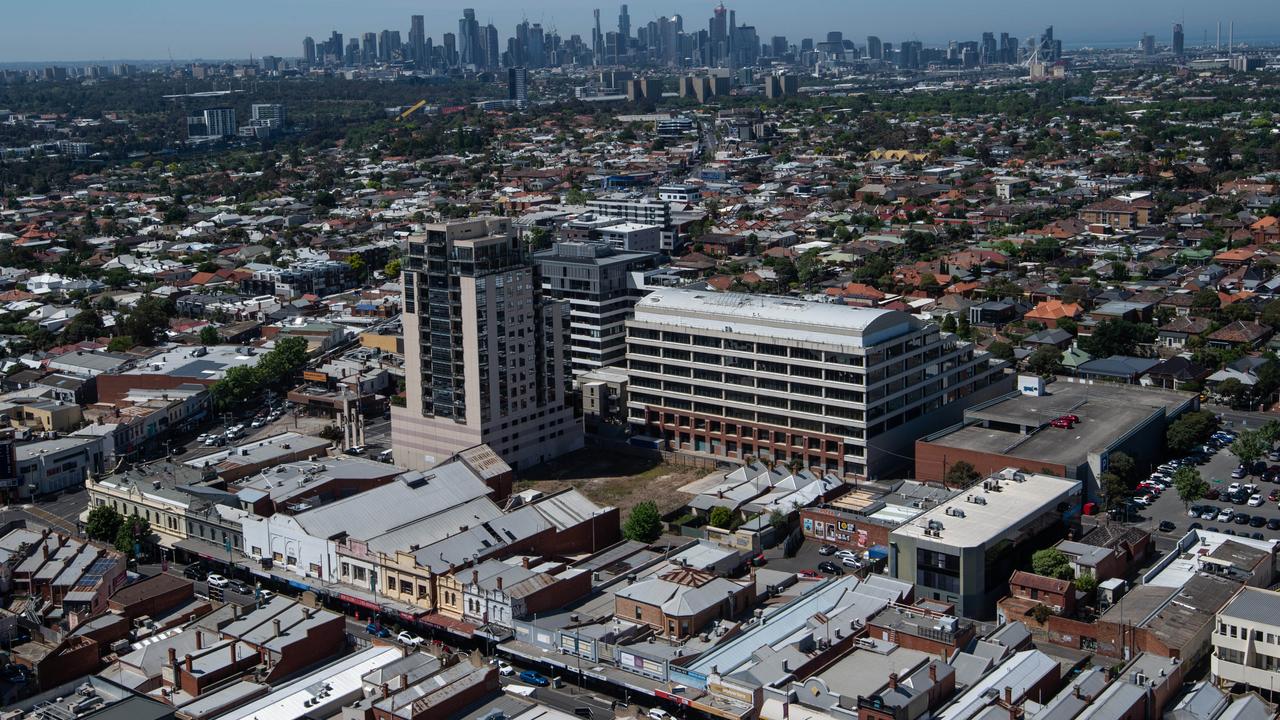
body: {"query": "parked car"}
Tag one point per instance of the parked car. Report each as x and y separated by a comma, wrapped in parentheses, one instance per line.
(1213, 494)
(216, 580)
(238, 587)
(658, 714)
(194, 571)
(830, 568)
(377, 630)
(1234, 488)
(850, 562)
(354, 450)
(1061, 423)
(1255, 500)
(404, 637)
(1257, 521)
(1167, 526)
(1193, 511)
(1273, 524)
(505, 668)
(809, 573)
(1241, 518)
(1238, 473)
(1225, 515)
(1195, 526)
(827, 550)
(534, 678)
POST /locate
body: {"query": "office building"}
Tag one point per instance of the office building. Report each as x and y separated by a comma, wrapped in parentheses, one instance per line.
(602, 284)
(270, 115)
(1148, 44)
(418, 42)
(835, 387)
(518, 86)
(1246, 641)
(1178, 40)
(486, 355)
(309, 50)
(963, 551)
(875, 50)
(469, 47)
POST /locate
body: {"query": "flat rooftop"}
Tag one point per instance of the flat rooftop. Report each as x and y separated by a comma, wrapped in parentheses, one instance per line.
(864, 671)
(1019, 425)
(199, 362)
(1008, 504)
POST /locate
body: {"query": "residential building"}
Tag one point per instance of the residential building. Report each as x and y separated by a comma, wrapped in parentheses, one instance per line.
(840, 388)
(488, 362)
(602, 284)
(681, 601)
(1246, 641)
(964, 550)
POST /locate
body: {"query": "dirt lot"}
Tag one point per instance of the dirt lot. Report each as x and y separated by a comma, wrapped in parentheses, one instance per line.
(613, 478)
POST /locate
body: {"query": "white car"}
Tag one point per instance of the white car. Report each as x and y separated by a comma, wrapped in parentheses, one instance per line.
(658, 714)
(404, 637)
(1226, 515)
(216, 580)
(505, 668)
(850, 562)
(846, 554)
(1233, 488)
(1255, 500)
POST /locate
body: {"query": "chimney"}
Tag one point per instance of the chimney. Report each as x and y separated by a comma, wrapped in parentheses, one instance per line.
(235, 611)
(404, 680)
(893, 681)
(173, 658)
(499, 583)
(1013, 713)
(232, 649)
(1075, 690)
(386, 690)
(275, 624)
(933, 673)
(44, 547)
(524, 562)
(199, 640)
(1008, 695)
(475, 576)
(190, 669)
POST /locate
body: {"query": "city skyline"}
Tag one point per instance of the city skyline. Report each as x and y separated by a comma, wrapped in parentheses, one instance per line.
(97, 33)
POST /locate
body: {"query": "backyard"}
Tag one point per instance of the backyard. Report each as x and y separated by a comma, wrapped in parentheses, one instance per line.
(613, 478)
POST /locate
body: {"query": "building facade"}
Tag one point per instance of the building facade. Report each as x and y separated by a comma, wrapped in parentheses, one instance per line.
(834, 387)
(486, 355)
(601, 285)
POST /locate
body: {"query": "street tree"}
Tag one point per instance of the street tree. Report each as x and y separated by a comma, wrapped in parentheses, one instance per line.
(1190, 486)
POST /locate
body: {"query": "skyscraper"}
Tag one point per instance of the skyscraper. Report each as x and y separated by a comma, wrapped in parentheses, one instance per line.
(418, 41)
(469, 47)
(486, 355)
(1178, 40)
(492, 55)
(875, 50)
(624, 24)
(450, 44)
(518, 85)
(1148, 44)
(369, 51)
(719, 32)
(309, 50)
(597, 40)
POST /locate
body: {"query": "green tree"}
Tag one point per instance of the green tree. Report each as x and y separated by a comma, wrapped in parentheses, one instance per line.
(949, 324)
(1117, 337)
(85, 326)
(1121, 464)
(1206, 299)
(392, 270)
(103, 524)
(721, 517)
(209, 335)
(358, 265)
(134, 531)
(1001, 350)
(1115, 490)
(809, 268)
(1236, 393)
(148, 320)
(1045, 361)
(644, 524)
(1270, 314)
(1086, 583)
(1190, 486)
(237, 386)
(1051, 562)
(1249, 446)
(778, 522)
(1189, 430)
(961, 474)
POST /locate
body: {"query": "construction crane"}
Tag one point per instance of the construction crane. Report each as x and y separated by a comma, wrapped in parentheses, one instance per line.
(412, 109)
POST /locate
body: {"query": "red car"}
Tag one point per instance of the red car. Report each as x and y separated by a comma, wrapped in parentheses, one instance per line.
(1062, 423)
(809, 573)
(1072, 418)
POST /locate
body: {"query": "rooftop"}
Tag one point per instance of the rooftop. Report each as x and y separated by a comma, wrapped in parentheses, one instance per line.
(986, 512)
(776, 317)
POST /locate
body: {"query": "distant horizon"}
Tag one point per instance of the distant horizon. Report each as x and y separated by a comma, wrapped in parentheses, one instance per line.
(110, 32)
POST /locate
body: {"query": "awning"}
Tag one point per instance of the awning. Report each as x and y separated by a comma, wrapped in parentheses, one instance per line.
(444, 622)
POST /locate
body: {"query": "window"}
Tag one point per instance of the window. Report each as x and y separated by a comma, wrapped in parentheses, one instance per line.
(257, 552)
(274, 556)
(422, 591)
(346, 570)
(406, 587)
(638, 612)
(391, 583)
(315, 570)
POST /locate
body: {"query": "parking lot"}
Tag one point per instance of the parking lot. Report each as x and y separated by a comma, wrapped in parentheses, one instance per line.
(1217, 472)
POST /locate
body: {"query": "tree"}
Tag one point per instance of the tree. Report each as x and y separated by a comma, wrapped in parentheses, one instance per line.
(721, 517)
(1270, 314)
(1117, 337)
(120, 343)
(1045, 361)
(85, 326)
(778, 522)
(961, 474)
(1086, 583)
(1206, 299)
(809, 268)
(209, 335)
(103, 524)
(392, 270)
(1001, 350)
(332, 433)
(358, 265)
(1115, 490)
(1190, 486)
(1052, 562)
(1189, 430)
(949, 324)
(643, 524)
(1236, 393)
(237, 386)
(148, 320)
(1249, 446)
(134, 531)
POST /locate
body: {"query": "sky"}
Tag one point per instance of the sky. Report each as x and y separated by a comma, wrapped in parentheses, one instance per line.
(99, 30)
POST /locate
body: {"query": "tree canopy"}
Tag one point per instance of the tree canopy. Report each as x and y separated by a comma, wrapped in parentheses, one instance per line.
(644, 524)
(1052, 562)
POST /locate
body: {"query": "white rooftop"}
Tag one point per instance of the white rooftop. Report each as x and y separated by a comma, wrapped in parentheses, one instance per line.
(775, 317)
(337, 680)
(991, 508)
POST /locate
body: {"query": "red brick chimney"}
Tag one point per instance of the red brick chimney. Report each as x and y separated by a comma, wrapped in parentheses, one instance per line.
(232, 649)
(475, 576)
(199, 640)
(1008, 695)
(190, 669)
(933, 673)
(893, 681)
(524, 562)
(173, 658)
(499, 583)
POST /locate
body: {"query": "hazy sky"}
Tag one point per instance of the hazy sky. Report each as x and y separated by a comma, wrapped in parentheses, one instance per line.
(154, 29)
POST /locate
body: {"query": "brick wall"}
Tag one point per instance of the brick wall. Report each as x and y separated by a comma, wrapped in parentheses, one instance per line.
(933, 461)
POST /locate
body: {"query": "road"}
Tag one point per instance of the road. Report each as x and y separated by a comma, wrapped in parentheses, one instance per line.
(1240, 419)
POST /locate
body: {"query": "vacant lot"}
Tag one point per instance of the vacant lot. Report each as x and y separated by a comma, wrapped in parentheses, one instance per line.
(613, 478)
